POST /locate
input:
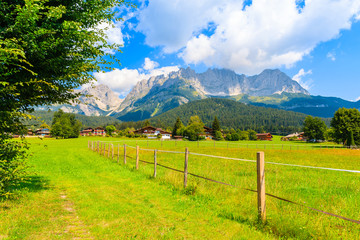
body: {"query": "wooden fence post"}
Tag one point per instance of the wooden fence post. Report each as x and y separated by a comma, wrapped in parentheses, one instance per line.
(104, 149)
(118, 155)
(109, 150)
(261, 186)
(137, 156)
(98, 146)
(155, 163)
(89, 144)
(186, 167)
(112, 146)
(124, 153)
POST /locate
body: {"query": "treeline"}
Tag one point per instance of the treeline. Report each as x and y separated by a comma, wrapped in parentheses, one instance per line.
(235, 115)
(87, 121)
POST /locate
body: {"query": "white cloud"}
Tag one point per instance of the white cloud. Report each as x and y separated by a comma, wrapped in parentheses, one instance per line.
(358, 99)
(307, 84)
(113, 33)
(266, 34)
(122, 81)
(172, 23)
(148, 64)
(331, 56)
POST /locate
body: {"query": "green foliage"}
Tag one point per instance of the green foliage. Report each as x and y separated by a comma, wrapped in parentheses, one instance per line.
(178, 129)
(44, 125)
(146, 123)
(47, 49)
(13, 166)
(219, 136)
(194, 129)
(65, 125)
(252, 135)
(344, 122)
(329, 134)
(244, 135)
(350, 142)
(110, 129)
(314, 128)
(216, 125)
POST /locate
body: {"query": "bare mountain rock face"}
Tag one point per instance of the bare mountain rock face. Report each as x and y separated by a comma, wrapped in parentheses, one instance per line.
(158, 94)
(97, 101)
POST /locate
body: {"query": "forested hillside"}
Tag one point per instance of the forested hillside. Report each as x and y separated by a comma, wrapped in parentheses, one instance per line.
(87, 121)
(235, 115)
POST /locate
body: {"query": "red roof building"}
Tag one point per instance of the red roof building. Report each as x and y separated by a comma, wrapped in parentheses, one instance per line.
(264, 136)
(152, 133)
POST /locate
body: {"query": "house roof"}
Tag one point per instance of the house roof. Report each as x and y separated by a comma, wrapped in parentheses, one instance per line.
(263, 134)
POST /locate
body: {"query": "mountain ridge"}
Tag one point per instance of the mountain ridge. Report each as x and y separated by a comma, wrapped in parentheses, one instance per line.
(158, 94)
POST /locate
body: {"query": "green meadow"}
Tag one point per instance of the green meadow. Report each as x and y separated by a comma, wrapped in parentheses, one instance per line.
(76, 193)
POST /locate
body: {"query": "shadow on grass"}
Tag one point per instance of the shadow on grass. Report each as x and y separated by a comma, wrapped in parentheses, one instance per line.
(267, 227)
(34, 184)
(31, 184)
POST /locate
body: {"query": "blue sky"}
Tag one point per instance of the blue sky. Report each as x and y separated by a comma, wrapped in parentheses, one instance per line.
(314, 42)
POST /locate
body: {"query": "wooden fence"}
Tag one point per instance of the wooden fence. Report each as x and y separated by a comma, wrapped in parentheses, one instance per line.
(260, 162)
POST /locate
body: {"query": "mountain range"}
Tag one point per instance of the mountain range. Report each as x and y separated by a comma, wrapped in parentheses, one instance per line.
(159, 94)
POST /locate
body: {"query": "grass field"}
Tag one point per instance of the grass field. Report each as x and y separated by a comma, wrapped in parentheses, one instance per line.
(76, 193)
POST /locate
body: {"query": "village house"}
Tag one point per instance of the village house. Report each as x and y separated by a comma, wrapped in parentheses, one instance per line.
(264, 136)
(152, 133)
(87, 132)
(30, 132)
(99, 131)
(44, 132)
(208, 133)
(294, 136)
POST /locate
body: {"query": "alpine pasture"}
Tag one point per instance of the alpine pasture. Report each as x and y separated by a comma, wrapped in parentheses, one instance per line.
(75, 192)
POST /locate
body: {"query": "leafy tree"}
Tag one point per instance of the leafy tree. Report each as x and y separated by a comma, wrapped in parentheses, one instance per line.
(194, 129)
(216, 125)
(314, 128)
(252, 135)
(65, 125)
(350, 142)
(235, 136)
(44, 125)
(329, 134)
(110, 129)
(344, 122)
(47, 49)
(219, 136)
(228, 137)
(244, 135)
(177, 127)
(146, 123)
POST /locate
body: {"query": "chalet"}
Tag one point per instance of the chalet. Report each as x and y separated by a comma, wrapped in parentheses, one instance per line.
(264, 136)
(152, 133)
(294, 136)
(44, 132)
(30, 132)
(87, 132)
(208, 133)
(99, 131)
